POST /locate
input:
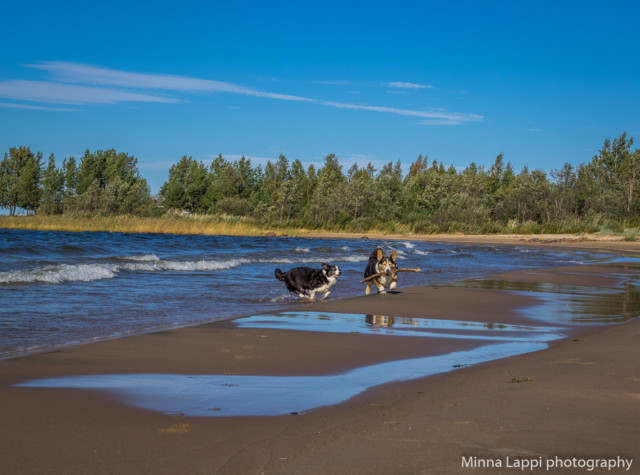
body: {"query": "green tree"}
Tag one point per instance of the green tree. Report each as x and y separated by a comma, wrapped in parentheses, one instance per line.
(20, 174)
(7, 177)
(301, 190)
(110, 182)
(187, 185)
(197, 181)
(221, 182)
(617, 168)
(329, 197)
(564, 191)
(361, 191)
(52, 188)
(70, 173)
(173, 190)
(232, 186)
(70, 186)
(282, 189)
(388, 190)
(528, 199)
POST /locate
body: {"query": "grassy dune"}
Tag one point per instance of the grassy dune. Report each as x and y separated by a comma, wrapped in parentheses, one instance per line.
(176, 224)
(237, 226)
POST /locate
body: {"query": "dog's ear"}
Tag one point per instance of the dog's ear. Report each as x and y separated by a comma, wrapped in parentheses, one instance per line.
(325, 266)
(393, 256)
(380, 254)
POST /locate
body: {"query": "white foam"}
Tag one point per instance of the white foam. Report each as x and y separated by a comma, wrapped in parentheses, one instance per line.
(61, 273)
(203, 265)
(150, 263)
(352, 258)
(312, 260)
(144, 258)
(90, 272)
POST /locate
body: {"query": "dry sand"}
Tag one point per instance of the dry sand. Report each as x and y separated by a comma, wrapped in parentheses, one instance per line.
(580, 398)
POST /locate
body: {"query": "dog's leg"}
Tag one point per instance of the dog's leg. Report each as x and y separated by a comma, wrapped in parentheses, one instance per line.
(327, 294)
(380, 287)
(394, 282)
(312, 295)
(367, 291)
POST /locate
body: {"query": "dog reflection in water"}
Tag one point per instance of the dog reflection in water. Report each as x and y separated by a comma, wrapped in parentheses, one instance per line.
(380, 320)
(385, 321)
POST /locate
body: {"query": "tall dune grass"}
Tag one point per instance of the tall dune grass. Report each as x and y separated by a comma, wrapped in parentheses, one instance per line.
(244, 226)
(171, 224)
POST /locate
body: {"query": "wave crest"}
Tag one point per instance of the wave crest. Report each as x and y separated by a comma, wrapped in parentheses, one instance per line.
(57, 274)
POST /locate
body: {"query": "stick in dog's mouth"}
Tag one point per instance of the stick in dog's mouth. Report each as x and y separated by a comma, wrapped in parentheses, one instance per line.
(371, 277)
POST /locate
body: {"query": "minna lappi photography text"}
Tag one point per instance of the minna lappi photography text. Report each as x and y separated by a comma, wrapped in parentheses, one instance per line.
(555, 463)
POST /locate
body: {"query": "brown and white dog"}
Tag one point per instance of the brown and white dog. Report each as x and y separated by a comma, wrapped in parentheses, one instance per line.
(381, 264)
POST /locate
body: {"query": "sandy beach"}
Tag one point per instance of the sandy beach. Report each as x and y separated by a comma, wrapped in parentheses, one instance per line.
(573, 404)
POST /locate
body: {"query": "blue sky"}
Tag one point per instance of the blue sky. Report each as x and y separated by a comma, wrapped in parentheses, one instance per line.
(460, 81)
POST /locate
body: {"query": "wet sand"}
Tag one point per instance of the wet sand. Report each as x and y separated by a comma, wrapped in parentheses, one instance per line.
(580, 398)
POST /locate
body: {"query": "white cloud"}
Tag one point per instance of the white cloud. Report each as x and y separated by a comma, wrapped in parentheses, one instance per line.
(8, 105)
(81, 84)
(448, 116)
(86, 74)
(58, 93)
(440, 122)
(333, 83)
(409, 85)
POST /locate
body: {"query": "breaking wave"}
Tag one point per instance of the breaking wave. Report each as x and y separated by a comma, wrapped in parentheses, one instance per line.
(61, 273)
(311, 260)
(57, 274)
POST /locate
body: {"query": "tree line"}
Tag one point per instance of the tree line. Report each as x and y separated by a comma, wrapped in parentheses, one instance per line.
(102, 182)
(428, 198)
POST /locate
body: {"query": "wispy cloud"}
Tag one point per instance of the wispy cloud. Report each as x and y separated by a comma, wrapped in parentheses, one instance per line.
(59, 93)
(443, 121)
(81, 84)
(11, 105)
(448, 116)
(333, 83)
(86, 74)
(409, 85)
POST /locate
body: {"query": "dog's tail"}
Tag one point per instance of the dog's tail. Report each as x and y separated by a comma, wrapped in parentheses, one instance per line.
(280, 275)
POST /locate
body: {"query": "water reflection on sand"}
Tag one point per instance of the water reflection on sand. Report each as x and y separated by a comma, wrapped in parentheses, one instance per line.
(259, 395)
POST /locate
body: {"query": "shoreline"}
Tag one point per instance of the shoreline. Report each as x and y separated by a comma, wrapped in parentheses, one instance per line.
(196, 225)
(559, 402)
(568, 241)
(608, 245)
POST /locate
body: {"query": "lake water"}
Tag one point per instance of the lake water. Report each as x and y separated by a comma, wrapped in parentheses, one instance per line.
(65, 288)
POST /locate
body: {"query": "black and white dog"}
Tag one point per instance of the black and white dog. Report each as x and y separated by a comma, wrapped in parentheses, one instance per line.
(305, 280)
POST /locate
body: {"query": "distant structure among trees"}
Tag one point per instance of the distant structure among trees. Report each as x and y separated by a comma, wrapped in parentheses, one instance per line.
(429, 198)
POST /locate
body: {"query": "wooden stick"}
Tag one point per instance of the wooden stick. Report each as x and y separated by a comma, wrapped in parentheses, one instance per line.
(374, 276)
